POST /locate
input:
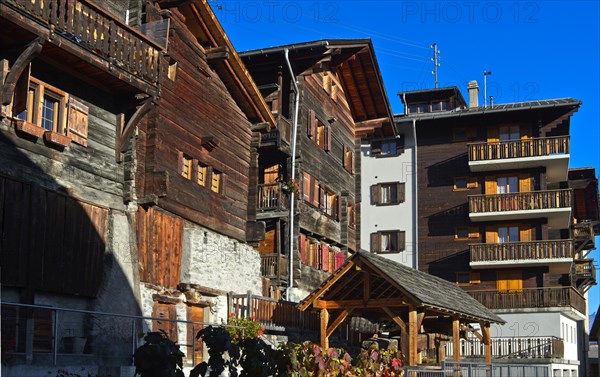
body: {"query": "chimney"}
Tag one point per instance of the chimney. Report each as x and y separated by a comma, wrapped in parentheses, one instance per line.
(473, 94)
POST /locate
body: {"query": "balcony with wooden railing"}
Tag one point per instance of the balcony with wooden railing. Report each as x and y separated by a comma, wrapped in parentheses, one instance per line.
(272, 198)
(532, 298)
(91, 31)
(583, 236)
(530, 347)
(533, 253)
(555, 205)
(278, 137)
(583, 274)
(549, 152)
(275, 267)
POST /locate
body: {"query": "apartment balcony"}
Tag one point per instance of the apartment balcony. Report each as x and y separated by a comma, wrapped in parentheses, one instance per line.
(532, 298)
(558, 253)
(272, 200)
(275, 267)
(555, 205)
(551, 153)
(529, 347)
(80, 35)
(583, 274)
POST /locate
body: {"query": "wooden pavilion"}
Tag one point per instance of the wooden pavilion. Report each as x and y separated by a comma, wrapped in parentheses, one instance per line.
(377, 288)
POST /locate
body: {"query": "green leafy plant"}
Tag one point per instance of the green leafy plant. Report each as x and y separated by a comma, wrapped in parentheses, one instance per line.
(246, 328)
(223, 353)
(291, 185)
(158, 357)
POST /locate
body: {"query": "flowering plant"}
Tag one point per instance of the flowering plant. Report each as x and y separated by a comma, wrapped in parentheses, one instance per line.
(291, 185)
(248, 328)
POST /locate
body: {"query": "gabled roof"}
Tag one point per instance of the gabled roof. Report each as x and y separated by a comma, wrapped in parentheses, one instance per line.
(413, 286)
(355, 62)
(421, 95)
(202, 22)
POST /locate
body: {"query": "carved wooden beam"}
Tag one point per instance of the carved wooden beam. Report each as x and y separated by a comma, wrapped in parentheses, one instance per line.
(31, 51)
(127, 131)
(217, 54)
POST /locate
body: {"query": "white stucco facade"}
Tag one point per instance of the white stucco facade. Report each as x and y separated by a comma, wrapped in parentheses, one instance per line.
(402, 216)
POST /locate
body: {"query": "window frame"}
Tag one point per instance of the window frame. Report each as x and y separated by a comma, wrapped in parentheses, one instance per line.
(378, 237)
(35, 105)
(377, 147)
(377, 191)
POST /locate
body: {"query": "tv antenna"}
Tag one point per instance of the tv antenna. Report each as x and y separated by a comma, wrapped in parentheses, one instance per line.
(436, 63)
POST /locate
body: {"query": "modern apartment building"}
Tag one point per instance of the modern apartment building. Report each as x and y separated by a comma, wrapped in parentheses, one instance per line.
(501, 214)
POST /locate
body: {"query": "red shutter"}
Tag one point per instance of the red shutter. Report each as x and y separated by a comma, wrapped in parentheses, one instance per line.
(303, 250)
(324, 257)
(339, 259)
(312, 123)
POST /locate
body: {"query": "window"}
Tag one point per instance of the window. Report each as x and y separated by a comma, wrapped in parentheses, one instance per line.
(423, 107)
(348, 160)
(186, 166)
(387, 148)
(466, 232)
(351, 216)
(468, 278)
(507, 185)
(465, 183)
(46, 107)
(388, 241)
(436, 106)
(412, 108)
(216, 181)
(508, 133)
(202, 175)
(318, 132)
(508, 234)
(463, 134)
(387, 193)
(446, 105)
(319, 196)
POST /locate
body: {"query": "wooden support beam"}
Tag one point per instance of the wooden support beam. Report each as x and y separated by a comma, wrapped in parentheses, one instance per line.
(32, 50)
(395, 318)
(217, 54)
(323, 329)
(456, 339)
(347, 304)
(420, 318)
(127, 132)
(472, 330)
(338, 274)
(487, 341)
(412, 336)
(366, 286)
(338, 321)
(403, 329)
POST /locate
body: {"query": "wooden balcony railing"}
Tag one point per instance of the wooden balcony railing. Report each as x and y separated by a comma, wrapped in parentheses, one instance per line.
(538, 147)
(585, 269)
(271, 197)
(274, 266)
(272, 313)
(277, 136)
(583, 234)
(98, 31)
(545, 297)
(521, 251)
(520, 201)
(535, 347)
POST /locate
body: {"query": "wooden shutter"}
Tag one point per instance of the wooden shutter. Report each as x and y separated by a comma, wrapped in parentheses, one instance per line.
(339, 259)
(336, 211)
(77, 125)
(327, 135)
(165, 311)
(491, 235)
(375, 194)
(324, 257)
(493, 135)
(491, 185)
(316, 189)
(400, 191)
(401, 240)
(306, 186)
(352, 162)
(524, 183)
(473, 232)
(21, 92)
(303, 249)
(375, 242)
(525, 233)
(331, 257)
(312, 123)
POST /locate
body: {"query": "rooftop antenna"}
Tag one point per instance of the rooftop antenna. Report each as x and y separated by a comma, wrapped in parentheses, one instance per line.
(485, 75)
(436, 63)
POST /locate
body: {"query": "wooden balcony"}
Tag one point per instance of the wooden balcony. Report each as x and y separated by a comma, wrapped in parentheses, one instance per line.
(583, 236)
(532, 298)
(275, 267)
(583, 274)
(532, 253)
(549, 152)
(91, 35)
(534, 347)
(279, 137)
(272, 198)
(555, 205)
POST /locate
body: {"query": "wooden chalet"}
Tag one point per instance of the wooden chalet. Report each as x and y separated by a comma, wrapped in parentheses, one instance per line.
(341, 99)
(379, 289)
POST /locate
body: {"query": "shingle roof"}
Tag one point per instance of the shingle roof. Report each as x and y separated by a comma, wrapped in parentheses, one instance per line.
(430, 290)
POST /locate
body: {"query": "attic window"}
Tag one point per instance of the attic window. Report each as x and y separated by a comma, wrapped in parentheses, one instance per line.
(387, 148)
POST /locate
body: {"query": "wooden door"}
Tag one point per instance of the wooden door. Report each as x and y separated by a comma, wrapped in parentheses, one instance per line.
(166, 313)
(509, 281)
(194, 314)
(272, 174)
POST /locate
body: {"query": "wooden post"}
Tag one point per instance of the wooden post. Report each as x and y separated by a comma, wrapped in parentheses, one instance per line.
(456, 340)
(412, 336)
(487, 340)
(323, 329)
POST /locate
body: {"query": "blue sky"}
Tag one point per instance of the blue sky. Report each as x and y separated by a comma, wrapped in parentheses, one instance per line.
(534, 49)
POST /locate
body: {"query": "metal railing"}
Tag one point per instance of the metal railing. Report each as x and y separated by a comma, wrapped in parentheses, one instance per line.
(59, 336)
(465, 369)
(535, 147)
(531, 347)
(98, 31)
(543, 297)
(521, 251)
(520, 201)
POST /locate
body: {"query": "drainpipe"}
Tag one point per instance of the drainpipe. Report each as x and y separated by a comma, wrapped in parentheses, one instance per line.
(294, 133)
(415, 200)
